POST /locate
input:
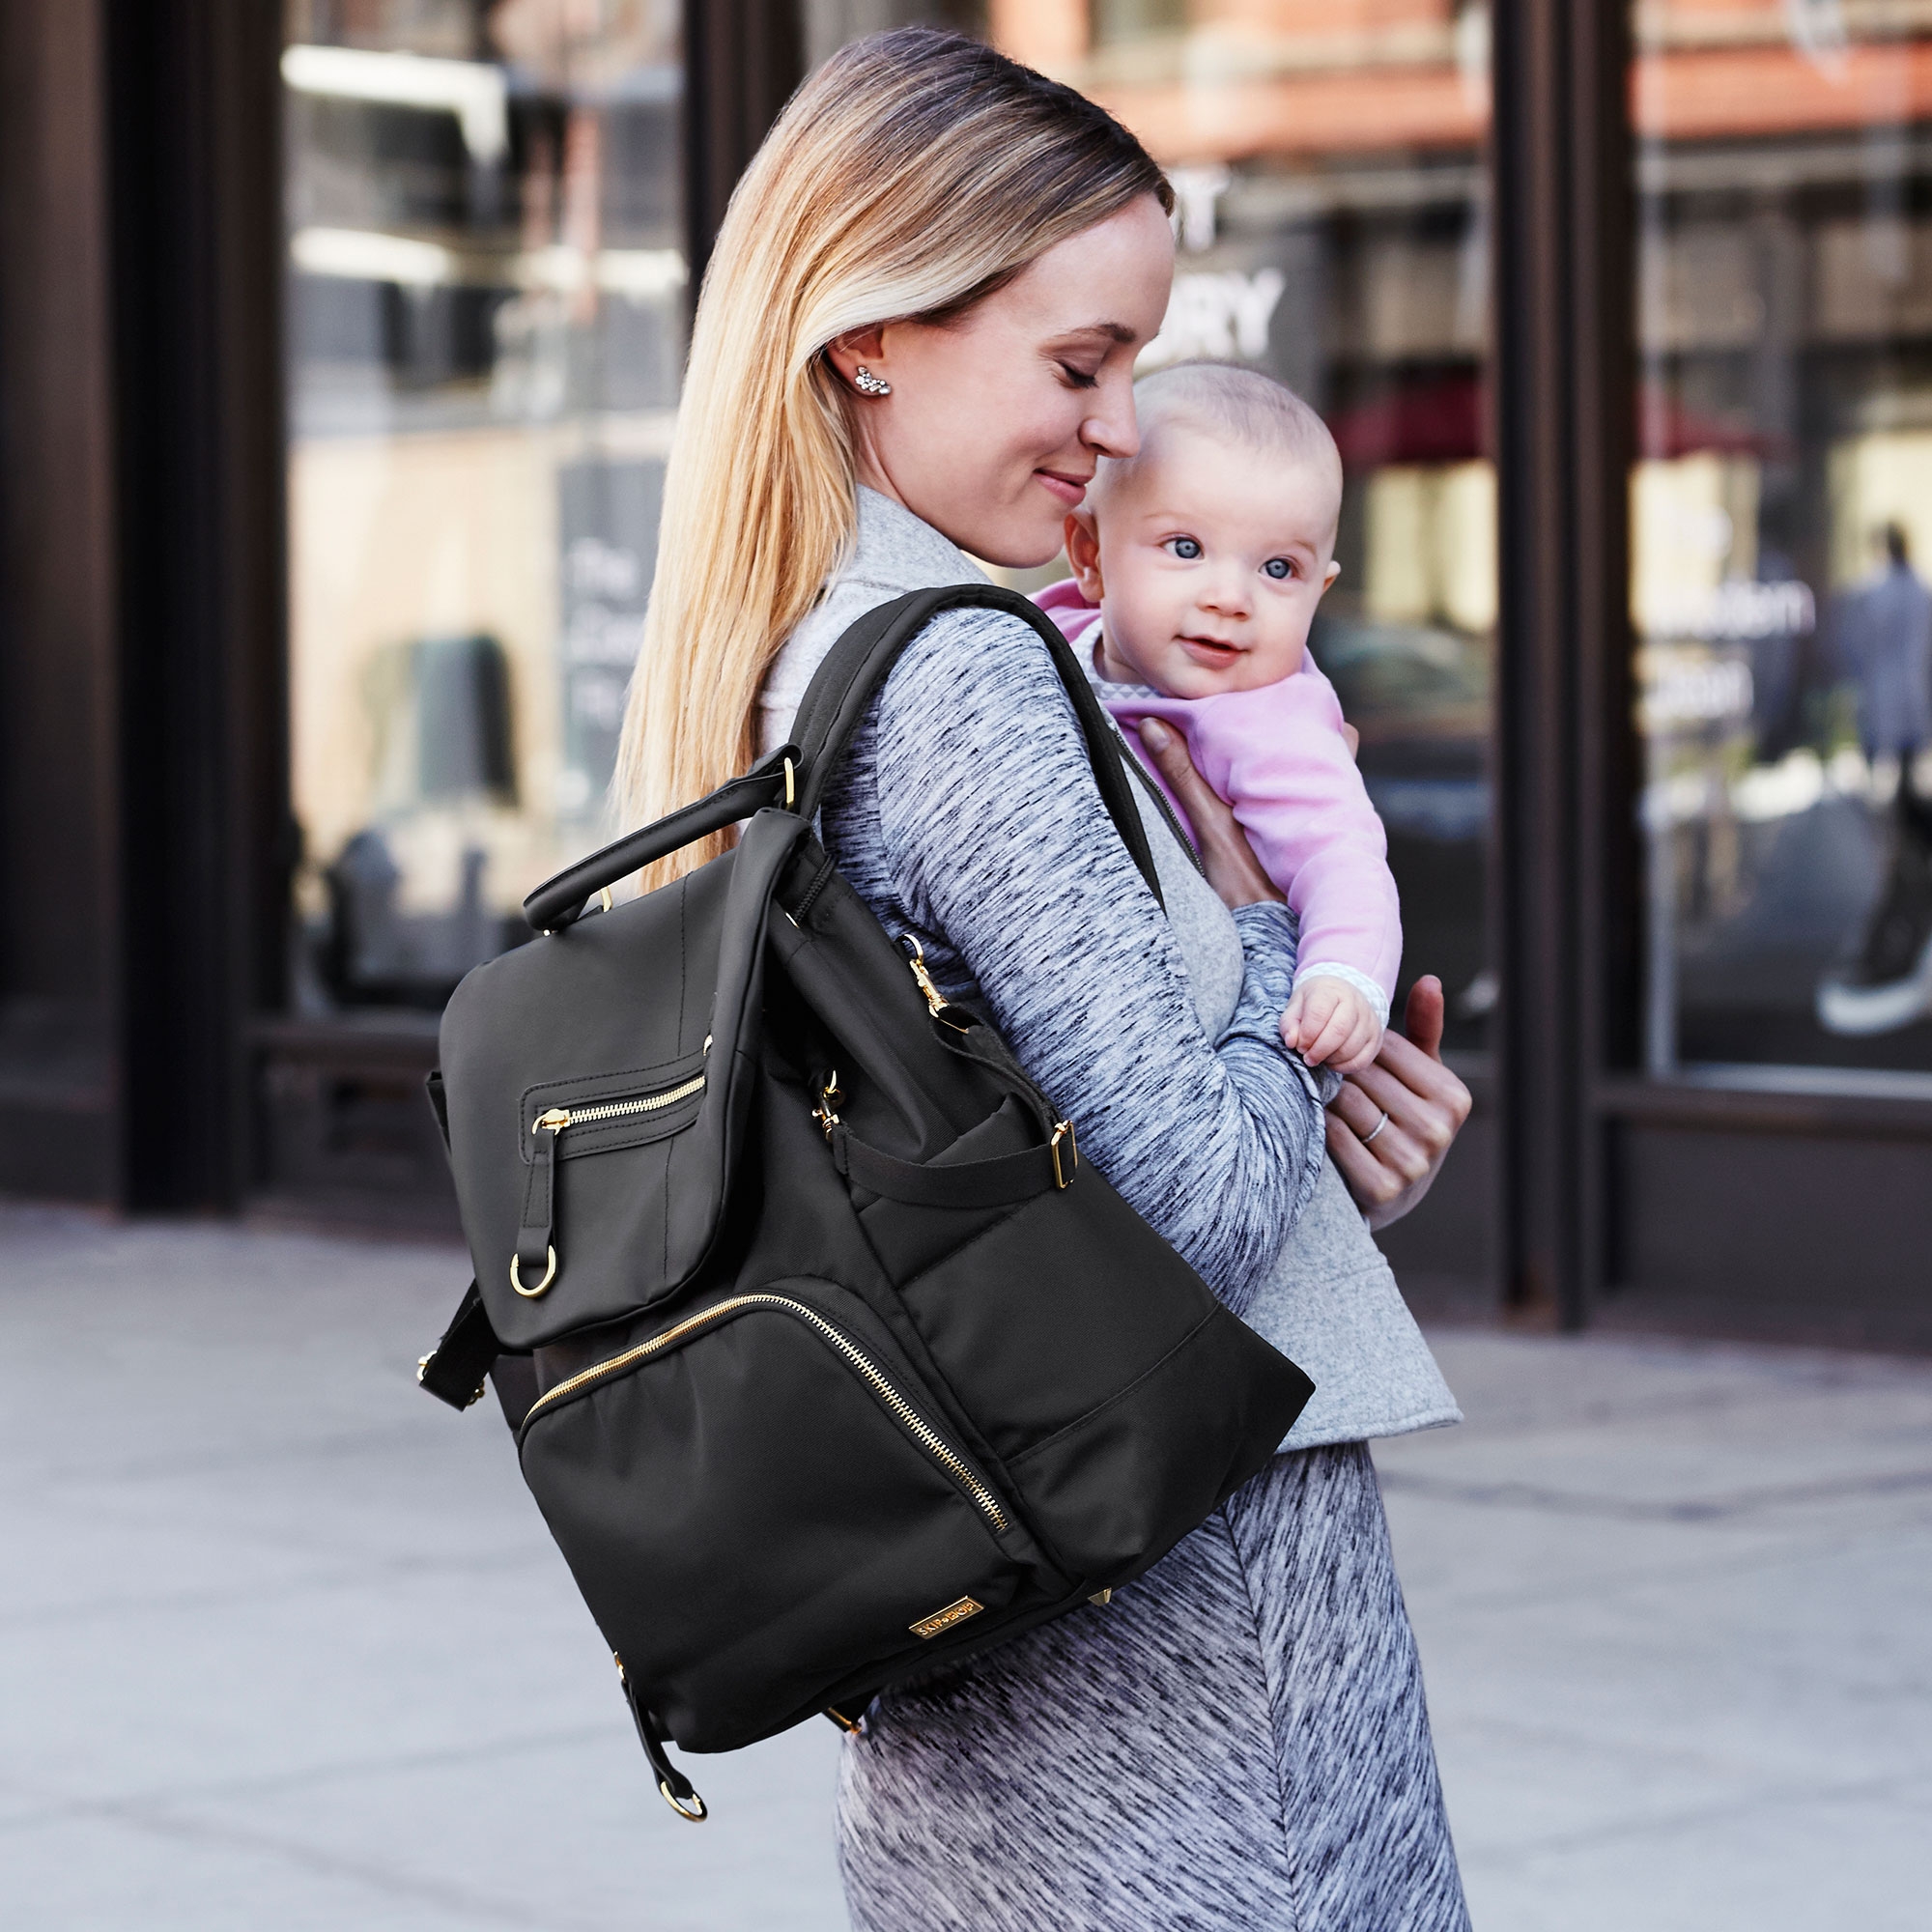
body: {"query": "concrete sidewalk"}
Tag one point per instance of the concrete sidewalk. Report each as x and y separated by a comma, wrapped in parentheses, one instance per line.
(286, 1644)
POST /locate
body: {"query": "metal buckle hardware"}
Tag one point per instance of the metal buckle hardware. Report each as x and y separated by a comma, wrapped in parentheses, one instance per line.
(792, 787)
(825, 1113)
(531, 1294)
(915, 954)
(1063, 1130)
(422, 1369)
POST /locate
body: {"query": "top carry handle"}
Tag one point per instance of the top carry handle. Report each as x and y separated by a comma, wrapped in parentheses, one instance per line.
(834, 706)
(561, 900)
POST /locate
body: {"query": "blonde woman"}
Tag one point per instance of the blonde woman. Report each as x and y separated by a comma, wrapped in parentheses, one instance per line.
(916, 341)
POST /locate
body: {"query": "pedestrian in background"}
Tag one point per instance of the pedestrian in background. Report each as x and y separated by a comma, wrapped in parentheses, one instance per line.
(1884, 638)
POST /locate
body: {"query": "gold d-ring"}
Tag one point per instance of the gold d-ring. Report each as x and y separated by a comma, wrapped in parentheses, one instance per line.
(693, 1813)
(531, 1294)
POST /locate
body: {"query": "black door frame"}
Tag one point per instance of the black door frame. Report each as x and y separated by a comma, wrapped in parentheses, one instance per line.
(1623, 1197)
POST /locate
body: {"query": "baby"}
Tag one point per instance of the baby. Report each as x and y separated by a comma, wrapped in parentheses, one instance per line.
(1198, 564)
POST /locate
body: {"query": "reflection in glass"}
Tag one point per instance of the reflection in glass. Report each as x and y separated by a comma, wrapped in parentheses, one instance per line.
(485, 304)
(1333, 230)
(1781, 517)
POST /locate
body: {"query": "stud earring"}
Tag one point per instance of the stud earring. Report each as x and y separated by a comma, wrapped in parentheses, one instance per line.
(868, 384)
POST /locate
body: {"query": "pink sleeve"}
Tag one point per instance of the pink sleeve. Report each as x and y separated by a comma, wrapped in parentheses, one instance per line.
(1277, 755)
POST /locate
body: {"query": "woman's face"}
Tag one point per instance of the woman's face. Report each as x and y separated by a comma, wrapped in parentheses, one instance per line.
(995, 422)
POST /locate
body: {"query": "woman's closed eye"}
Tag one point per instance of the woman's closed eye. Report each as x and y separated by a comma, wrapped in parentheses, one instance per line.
(1080, 378)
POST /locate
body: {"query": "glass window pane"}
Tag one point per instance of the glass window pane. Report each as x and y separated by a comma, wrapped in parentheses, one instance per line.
(485, 316)
(1334, 231)
(1781, 521)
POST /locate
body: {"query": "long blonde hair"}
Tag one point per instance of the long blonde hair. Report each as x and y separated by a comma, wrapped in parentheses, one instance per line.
(913, 175)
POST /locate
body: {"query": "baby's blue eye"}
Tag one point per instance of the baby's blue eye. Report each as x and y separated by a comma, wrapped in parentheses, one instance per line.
(1187, 548)
(1278, 567)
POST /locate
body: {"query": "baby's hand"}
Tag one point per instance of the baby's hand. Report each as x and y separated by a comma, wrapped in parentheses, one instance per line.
(1329, 1021)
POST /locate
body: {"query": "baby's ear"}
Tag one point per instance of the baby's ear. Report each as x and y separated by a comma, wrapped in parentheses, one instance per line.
(1083, 552)
(1329, 575)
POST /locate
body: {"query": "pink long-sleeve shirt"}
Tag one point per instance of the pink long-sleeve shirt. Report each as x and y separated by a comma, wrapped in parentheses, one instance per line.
(1277, 755)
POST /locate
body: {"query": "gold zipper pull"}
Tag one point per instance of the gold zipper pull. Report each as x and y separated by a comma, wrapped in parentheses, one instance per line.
(915, 960)
(556, 1120)
(825, 1113)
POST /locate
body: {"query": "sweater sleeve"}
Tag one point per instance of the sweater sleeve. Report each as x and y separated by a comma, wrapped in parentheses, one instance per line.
(998, 843)
(1278, 756)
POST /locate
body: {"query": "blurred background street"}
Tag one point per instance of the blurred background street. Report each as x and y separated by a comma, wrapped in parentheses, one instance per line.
(286, 1644)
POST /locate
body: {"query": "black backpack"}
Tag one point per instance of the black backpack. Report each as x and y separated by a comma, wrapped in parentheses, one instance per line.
(845, 1364)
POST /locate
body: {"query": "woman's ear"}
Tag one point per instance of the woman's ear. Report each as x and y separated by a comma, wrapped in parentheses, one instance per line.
(863, 348)
(1083, 552)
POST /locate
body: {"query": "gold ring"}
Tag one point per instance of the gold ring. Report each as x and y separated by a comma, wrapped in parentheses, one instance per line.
(693, 1813)
(531, 1294)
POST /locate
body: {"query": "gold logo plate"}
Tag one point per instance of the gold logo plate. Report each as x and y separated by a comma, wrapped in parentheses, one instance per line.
(944, 1620)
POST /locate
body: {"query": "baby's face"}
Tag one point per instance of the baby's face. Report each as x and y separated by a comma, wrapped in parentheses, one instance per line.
(1210, 559)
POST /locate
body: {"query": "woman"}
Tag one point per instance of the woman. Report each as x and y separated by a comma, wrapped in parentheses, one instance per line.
(916, 340)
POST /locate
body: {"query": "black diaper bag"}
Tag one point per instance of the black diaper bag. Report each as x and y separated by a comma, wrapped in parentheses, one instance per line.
(841, 1362)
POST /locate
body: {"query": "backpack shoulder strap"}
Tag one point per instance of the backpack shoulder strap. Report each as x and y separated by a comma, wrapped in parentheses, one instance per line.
(859, 663)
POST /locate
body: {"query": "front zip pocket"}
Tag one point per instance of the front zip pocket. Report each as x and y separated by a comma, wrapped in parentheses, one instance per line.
(915, 1424)
(760, 1502)
(564, 1119)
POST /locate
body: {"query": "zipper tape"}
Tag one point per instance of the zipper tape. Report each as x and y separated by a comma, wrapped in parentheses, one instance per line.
(557, 1119)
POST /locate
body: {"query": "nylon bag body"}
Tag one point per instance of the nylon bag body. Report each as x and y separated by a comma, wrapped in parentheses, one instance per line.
(846, 1364)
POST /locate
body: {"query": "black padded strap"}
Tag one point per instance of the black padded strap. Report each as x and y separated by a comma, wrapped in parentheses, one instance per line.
(1004, 1181)
(855, 668)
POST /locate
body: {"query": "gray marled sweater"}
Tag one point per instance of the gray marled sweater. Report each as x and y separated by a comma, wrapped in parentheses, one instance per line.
(1154, 1034)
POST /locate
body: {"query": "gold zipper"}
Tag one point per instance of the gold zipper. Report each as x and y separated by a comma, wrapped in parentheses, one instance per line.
(559, 1118)
(921, 1431)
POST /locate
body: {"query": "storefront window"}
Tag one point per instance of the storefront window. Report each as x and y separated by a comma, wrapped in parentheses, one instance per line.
(486, 328)
(1333, 231)
(1781, 531)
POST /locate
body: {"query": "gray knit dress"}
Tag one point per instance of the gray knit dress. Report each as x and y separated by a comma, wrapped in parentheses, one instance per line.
(1239, 1739)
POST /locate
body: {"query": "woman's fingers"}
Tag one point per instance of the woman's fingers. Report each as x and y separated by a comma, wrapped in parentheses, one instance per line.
(1402, 1066)
(1362, 1111)
(1371, 1183)
(1379, 1174)
(1433, 1119)
(1226, 855)
(1168, 749)
(1424, 1104)
(1422, 1015)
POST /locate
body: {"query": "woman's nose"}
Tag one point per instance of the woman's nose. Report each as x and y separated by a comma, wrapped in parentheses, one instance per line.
(1110, 428)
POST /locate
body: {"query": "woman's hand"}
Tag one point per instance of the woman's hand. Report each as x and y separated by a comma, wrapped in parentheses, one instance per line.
(1226, 855)
(1392, 1123)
